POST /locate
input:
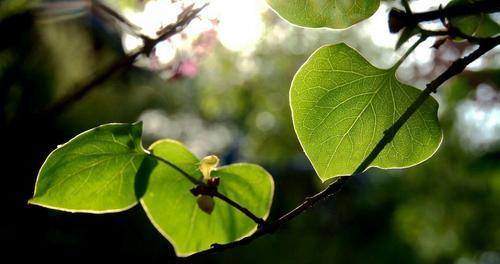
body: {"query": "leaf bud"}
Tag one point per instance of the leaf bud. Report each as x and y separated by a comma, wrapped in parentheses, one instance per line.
(206, 203)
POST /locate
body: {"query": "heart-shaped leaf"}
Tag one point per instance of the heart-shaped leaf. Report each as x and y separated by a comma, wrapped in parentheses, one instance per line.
(324, 13)
(174, 210)
(341, 106)
(94, 172)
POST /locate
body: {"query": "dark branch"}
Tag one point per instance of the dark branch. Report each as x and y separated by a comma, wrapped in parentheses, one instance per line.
(83, 89)
(476, 7)
(457, 67)
(399, 19)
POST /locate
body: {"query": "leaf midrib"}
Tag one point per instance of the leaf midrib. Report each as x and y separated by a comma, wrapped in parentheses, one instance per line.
(355, 121)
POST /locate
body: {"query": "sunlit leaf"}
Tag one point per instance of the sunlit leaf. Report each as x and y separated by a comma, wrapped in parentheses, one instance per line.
(174, 210)
(94, 172)
(342, 105)
(324, 13)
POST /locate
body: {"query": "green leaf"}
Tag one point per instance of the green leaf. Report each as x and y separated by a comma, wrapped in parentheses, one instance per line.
(479, 25)
(94, 172)
(324, 13)
(487, 28)
(341, 106)
(174, 211)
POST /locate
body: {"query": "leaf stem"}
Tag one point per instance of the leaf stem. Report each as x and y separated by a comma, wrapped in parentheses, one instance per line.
(260, 222)
(185, 174)
(422, 38)
(457, 67)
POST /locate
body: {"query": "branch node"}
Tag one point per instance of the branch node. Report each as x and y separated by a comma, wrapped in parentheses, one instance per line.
(204, 190)
(149, 45)
(262, 224)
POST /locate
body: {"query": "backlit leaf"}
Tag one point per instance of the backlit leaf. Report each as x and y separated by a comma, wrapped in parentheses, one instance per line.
(94, 172)
(342, 105)
(324, 13)
(175, 212)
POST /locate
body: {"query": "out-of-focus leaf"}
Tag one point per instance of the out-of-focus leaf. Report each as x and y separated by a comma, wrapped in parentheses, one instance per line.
(479, 25)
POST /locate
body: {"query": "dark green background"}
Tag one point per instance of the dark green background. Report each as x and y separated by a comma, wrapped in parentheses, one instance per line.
(446, 210)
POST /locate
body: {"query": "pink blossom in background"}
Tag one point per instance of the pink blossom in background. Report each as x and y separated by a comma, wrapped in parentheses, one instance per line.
(188, 69)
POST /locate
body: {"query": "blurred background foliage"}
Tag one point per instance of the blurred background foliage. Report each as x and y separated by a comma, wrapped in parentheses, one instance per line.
(223, 96)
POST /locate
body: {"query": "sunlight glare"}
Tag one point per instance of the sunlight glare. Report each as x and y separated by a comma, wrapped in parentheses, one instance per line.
(240, 23)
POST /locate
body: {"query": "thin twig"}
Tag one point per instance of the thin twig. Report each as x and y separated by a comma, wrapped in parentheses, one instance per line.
(98, 6)
(457, 67)
(410, 50)
(62, 104)
(83, 89)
